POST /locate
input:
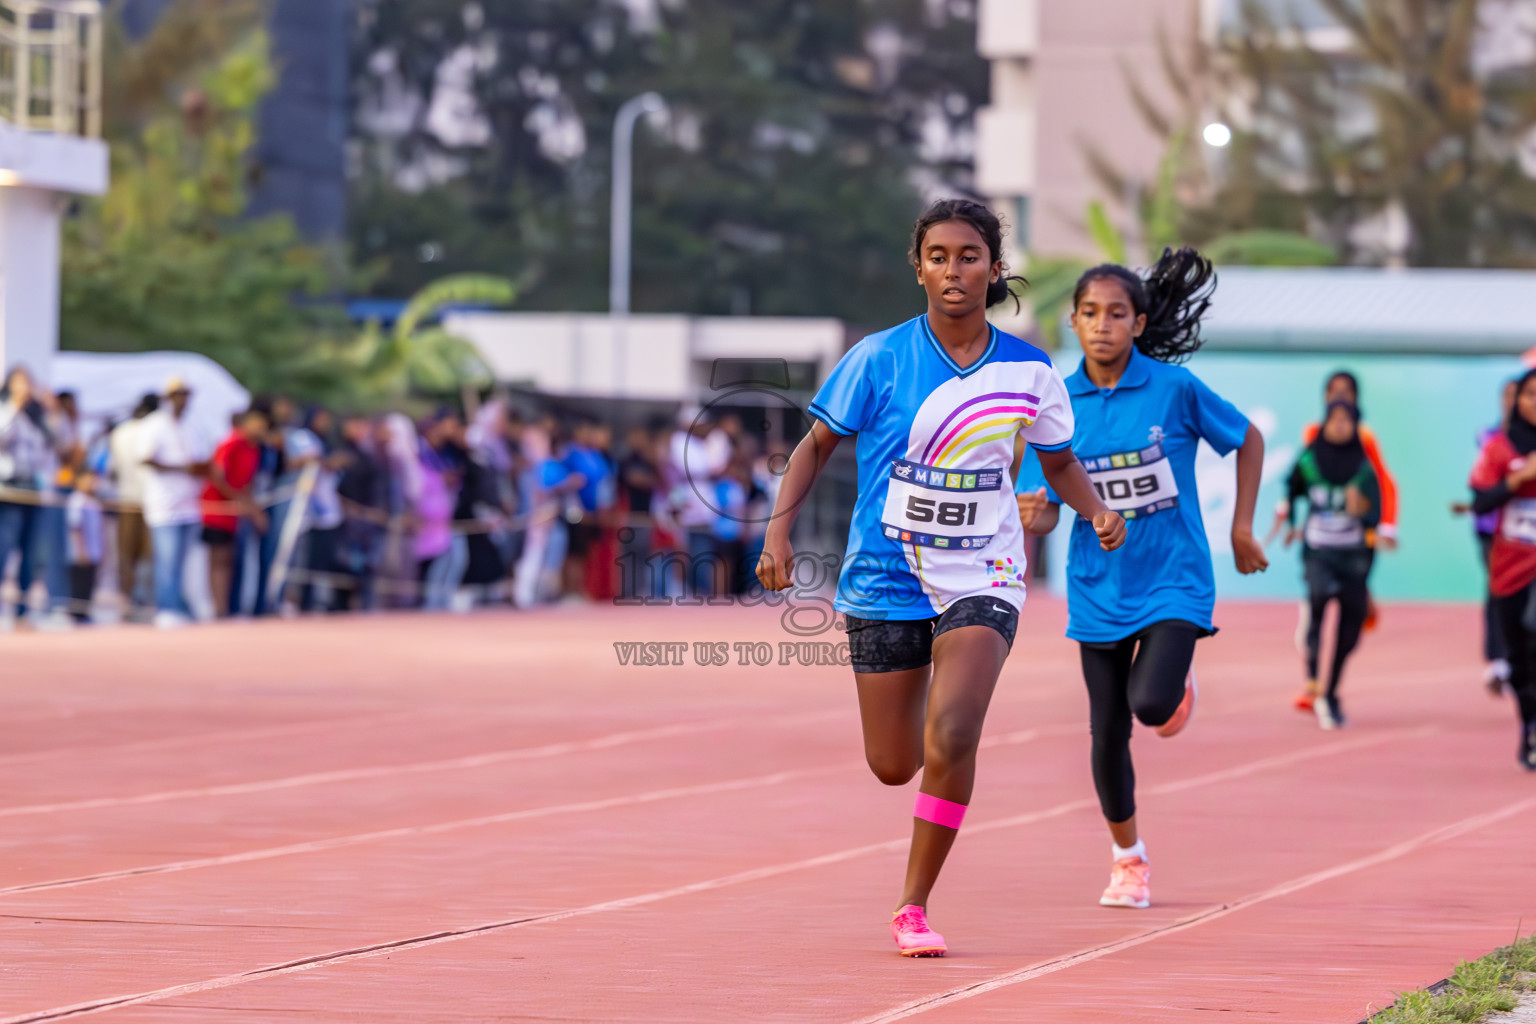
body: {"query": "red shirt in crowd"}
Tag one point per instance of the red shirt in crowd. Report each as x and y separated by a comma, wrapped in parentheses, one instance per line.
(239, 459)
(1512, 564)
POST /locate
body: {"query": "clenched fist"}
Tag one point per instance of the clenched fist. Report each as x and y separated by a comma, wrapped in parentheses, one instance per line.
(1111, 530)
(1031, 505)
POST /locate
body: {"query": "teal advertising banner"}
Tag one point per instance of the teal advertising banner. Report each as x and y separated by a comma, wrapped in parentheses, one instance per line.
(1426, 411)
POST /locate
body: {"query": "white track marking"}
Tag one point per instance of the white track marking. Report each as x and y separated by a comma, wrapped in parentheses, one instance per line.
(1215, 913)
(617, 739)
(439, 828)
(708, 885)
(474, 761)
(1210, 778)
(91, 750)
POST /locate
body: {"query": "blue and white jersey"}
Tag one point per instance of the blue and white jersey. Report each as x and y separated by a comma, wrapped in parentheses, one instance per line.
(935, 520)
(1138, 442)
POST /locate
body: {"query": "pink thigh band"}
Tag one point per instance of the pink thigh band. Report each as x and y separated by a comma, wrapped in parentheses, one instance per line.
(939, 811)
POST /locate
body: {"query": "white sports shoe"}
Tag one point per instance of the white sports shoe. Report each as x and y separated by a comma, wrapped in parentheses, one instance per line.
(1329, 715)
(1496, 677)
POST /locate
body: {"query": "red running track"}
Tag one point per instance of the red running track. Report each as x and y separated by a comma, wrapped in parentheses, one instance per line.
(489, 819)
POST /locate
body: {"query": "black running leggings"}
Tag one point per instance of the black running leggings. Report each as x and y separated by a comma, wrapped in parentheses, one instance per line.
(1494, 647)
(1141, 676)
(1521, 644)
(1335, 576)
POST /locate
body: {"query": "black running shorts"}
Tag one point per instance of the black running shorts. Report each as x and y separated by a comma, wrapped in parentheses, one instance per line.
(896, 645)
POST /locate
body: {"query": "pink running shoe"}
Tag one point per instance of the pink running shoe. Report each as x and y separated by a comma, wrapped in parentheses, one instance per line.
(909, 926)
(1181, 714)
(1129, 885)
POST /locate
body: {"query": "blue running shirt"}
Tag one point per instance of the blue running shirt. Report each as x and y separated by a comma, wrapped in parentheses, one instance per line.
(1138, 443)
(935, 520)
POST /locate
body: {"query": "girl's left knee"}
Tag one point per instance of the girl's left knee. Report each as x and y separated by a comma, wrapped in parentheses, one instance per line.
(1153, 713)
(951, 740)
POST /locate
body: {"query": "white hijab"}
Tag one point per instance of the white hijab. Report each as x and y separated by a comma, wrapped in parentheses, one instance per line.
(487, 436)
(402, 454)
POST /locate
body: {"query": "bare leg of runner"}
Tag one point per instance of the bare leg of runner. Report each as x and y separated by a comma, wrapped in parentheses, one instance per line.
(892, 707)
(966, 664)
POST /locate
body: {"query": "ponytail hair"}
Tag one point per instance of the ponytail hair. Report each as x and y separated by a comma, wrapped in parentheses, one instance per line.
(1174, 295)
(986, 223)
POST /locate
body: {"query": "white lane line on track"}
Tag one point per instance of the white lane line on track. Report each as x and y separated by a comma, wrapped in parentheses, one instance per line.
(472, 761)
(617, 739)
(343, 775)
(232, 735)
(1044, 967)
(438, 828)
(628, 902)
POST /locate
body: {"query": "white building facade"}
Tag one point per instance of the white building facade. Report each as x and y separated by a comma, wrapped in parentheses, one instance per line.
(1059, 80)
(50, 123)
(649, 357)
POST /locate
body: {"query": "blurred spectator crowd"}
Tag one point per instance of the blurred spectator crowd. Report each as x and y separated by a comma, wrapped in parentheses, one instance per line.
(300, 511)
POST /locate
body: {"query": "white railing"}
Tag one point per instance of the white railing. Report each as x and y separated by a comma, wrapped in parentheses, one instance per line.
(50, 65)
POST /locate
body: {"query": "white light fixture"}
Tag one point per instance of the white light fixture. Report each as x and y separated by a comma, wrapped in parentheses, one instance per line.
(1216, 134)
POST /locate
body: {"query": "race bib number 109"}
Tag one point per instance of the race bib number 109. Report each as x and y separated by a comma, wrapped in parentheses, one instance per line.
(941, 508)
(1134, 483)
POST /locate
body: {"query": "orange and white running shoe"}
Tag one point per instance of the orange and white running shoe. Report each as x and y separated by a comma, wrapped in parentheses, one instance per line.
(1181, 714)
(1129, 885)
(909, 927)
(1307, 698)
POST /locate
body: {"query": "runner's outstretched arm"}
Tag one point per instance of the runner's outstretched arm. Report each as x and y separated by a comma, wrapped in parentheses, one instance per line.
(1246, 550)
(775, 567)
(1068, 479)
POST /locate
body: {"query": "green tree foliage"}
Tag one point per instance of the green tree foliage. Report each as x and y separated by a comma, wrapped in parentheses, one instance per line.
(1419, 118)
(418, 354)
(1393, 138)
(783, 179)
(1053, 279)
(167, 259)
(189, 36)
(164, 260)
(1189, 203)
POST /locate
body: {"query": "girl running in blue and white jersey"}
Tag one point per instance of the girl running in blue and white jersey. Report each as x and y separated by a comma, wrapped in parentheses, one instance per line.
(934, 575)
(1137, 616)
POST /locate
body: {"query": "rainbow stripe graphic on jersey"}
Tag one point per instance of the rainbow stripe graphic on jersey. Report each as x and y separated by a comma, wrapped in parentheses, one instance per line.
(990, 417)
(935, 443)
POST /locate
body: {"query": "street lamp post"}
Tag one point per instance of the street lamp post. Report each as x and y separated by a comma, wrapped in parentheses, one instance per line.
(621, 211)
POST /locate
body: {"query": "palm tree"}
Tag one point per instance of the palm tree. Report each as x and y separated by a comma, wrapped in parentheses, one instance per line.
(1400, 146)
(1234, 216)
(417, 353)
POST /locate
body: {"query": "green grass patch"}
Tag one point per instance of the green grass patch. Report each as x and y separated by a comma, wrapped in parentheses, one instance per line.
(1490, 984)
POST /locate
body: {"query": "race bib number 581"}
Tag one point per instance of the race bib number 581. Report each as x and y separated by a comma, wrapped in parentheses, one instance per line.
(941, 508)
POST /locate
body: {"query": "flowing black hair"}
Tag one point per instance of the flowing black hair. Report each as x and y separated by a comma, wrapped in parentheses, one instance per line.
(986, 223)
(1174, 295)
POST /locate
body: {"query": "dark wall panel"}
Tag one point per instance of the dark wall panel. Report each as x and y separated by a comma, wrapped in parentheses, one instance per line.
(302, 127)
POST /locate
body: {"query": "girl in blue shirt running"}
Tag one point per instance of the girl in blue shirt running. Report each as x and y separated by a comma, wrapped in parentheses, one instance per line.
(1140, 420)
(933, 579)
